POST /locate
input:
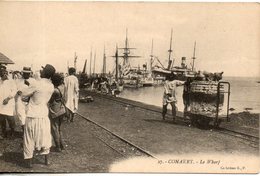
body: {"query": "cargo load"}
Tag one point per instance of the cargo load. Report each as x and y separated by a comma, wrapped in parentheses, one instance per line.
(204, 97)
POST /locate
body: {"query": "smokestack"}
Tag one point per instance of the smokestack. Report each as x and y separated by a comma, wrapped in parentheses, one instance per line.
(183, 62)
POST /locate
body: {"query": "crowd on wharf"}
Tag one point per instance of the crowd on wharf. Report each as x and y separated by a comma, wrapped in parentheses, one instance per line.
(38, 102)
(104, 83)
(42, 100)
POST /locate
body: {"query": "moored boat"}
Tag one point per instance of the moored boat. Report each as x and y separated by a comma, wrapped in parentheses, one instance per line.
(133, 77)
(181, 72)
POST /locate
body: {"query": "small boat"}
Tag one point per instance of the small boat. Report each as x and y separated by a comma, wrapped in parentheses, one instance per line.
(132, 81)
(144, 76)
(147, 81)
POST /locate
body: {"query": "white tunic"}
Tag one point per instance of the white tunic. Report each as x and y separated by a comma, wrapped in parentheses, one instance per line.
(71, 92)
(40, 94)
(170, 88)
(21, 106)
(37, 133)
(7, 89)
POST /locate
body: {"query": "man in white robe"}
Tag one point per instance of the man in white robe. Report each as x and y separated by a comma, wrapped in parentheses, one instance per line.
(169, 95)
(7, 93)
(37, 132)
(71, 93)
(21, 104)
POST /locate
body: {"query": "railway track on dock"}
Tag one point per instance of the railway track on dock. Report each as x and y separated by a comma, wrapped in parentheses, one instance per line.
(254, 140)
(134, 147)
(247, 137)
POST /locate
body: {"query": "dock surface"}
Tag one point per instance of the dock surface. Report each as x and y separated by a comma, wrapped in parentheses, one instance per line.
(85, 152)
(147, 130)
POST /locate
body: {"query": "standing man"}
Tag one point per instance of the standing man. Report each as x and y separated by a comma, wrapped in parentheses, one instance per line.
(71, 93)
(186, 96)
(169, 96)
(21, 104)
(37, 132)
(7, 93)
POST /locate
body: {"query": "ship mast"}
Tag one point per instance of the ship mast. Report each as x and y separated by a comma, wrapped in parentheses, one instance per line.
(94, 63)
(90, 62)
(193, 58)
(117, 68)
(170, 62)
(126, 50)
(104, 61)
(126, 53)
(151, 60)
(116, 56)
(85, 66)
(75, 61)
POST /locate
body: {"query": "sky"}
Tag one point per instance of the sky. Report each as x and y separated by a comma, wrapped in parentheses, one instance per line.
(227, 35)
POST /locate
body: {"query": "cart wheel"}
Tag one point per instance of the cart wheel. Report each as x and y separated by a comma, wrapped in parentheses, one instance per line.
(193, 121)
(217, 123)
(203, 123)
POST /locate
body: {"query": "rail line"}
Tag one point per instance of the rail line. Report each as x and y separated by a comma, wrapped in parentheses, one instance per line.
(247, 137)
(240, 135)
(117, 136)
(107, 144)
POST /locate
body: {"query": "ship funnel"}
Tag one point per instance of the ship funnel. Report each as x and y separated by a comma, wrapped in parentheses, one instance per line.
(183, 62)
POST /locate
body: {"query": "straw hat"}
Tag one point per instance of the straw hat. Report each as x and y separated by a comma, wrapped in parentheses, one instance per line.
(26, 70)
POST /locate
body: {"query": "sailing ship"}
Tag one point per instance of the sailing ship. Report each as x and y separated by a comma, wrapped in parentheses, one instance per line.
(132, 77)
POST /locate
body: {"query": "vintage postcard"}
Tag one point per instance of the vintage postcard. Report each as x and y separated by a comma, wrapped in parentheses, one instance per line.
(129, 87)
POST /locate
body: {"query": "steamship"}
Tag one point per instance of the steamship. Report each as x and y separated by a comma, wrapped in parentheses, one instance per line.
(181, 72)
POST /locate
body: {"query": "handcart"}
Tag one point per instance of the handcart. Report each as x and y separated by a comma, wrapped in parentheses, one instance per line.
(206, 102)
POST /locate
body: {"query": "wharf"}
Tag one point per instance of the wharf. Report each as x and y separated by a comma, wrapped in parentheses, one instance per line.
(85, 152)
(147, 130)
(231, 125)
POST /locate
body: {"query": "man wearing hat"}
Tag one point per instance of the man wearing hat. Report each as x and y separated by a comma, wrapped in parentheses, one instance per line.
(37, 132)
(21, 104)
(26, 73)
(169, 96)
(7, 93)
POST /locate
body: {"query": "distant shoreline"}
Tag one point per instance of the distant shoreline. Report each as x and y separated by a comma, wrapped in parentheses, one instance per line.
(250, 77)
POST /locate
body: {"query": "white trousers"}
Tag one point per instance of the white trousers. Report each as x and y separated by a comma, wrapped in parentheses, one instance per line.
(37, 136)
(20, 111)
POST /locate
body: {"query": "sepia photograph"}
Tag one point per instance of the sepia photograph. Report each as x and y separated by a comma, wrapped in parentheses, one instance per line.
(129, 87)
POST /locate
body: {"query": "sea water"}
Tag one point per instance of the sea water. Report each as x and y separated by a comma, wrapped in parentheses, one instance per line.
(245, 94)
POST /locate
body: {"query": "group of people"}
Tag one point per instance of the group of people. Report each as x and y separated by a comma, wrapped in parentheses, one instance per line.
(38, 102)
(105, 85)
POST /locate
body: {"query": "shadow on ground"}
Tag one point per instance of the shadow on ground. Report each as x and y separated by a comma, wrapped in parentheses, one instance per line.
(181, 123)
(13, 158)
